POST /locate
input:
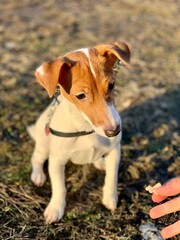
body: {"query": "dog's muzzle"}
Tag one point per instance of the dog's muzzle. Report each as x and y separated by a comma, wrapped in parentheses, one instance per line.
(113, 132)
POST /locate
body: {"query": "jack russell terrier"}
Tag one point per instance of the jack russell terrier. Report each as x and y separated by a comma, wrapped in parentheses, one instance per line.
(82, 124)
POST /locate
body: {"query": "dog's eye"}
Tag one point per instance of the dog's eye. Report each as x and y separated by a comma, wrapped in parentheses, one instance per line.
(110, 86)
(81, 96)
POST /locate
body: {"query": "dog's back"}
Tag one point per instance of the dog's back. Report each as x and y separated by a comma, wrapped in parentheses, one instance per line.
(31, 131)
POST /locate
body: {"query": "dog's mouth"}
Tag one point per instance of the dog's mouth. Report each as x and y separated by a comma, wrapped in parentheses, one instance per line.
(113, 132)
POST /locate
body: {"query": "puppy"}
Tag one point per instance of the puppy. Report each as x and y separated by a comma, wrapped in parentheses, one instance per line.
(82, 124)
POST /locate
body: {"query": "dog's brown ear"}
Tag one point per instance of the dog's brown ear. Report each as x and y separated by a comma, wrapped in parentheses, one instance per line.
(116, 50)
(50, 73)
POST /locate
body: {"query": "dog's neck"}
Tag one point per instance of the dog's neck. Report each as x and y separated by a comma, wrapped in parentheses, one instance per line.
(68, 118)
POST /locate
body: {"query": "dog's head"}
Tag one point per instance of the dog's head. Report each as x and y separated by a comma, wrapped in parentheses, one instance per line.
(87, 80)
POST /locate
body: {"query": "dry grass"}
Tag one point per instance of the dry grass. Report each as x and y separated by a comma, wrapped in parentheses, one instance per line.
(148, 99)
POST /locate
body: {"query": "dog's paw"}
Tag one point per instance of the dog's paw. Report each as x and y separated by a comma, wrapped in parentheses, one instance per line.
(38, 177)
(110, 202)
(53, 214)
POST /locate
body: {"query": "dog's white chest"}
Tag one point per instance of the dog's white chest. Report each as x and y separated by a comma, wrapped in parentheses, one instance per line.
(91, 148)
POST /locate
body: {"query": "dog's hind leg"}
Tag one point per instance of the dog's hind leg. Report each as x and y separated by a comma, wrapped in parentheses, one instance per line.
(40, 155)
(41, 151)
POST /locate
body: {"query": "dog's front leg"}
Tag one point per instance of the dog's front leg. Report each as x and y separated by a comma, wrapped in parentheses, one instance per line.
(110, 196)
(55, 208)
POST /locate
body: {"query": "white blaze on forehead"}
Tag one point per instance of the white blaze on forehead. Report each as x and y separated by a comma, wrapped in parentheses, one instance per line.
(86, 52)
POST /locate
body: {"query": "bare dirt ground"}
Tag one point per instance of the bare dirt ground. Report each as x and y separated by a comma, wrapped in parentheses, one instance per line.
(148, 99)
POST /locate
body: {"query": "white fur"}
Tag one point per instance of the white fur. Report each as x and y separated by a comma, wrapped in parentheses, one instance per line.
(94, 148)
(113, 116)
(86, 52)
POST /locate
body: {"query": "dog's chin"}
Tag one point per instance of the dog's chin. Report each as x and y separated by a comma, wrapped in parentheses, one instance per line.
(110, 134)
(106, 134)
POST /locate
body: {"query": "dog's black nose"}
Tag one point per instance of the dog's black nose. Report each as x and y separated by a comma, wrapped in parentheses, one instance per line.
(113, 132)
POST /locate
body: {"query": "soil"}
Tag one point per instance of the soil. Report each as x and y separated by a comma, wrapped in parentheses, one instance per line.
(147, 98)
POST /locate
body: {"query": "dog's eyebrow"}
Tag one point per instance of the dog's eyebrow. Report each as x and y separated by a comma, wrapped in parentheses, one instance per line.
(81, 87)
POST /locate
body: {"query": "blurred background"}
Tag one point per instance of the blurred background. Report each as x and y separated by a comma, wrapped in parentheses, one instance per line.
(148, 99)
